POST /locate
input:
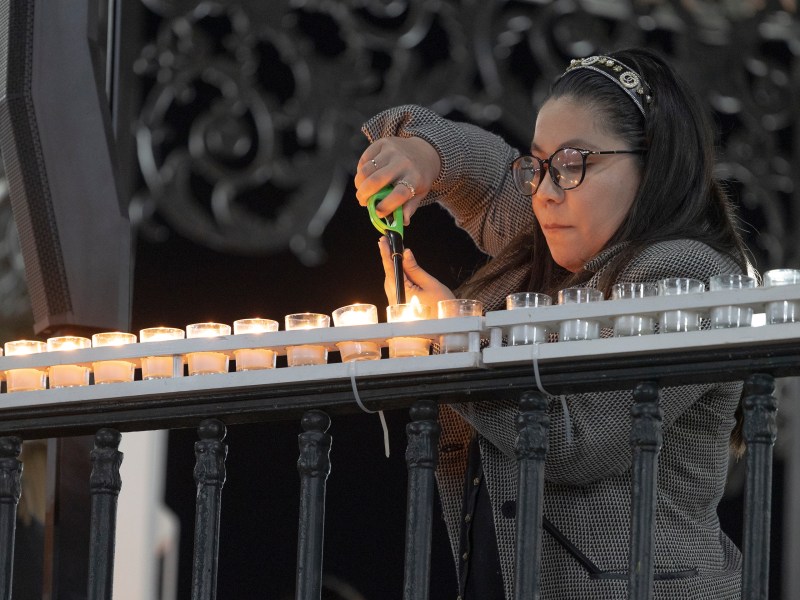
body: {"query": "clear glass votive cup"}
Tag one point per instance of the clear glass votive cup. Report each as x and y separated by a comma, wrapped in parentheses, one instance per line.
(782, 311)
(631, 325)
(519, 335)
(30, 379)
(306, 354)
(253, 359)
(457, 307)
(62, 376)
(723, 317)
(113, 371)
(357, 314)
(207, 363)
(579, 329)
(403, 347)
(679, 320)
(161, 367)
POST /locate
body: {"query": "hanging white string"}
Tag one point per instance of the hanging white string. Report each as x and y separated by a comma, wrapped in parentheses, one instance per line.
(352, 371)
(564, 407)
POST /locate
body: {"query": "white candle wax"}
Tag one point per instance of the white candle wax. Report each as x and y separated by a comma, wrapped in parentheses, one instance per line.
(68, 376)
(453, 342)
(578, 329)
(251, 359)
(723, 317)
(629, 325)
(679, 320)
(301, 356)
(205, 363)
(113, 371)
(401, 347)
(782, 311)
(519, 335)
(25, 380)
(160, 367)
(358, 351)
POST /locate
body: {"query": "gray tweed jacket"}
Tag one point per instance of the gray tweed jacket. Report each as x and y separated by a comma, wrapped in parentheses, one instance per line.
(587, 481)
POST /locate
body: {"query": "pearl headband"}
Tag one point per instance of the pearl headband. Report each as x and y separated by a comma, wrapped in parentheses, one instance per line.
(621, 74)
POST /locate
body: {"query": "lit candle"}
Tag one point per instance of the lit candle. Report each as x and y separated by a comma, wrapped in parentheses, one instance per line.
(161, 367)
(68, 375)
(299, 356)
(400, 347)
(24, 380)
(249, 359)
(357, 314)
(113, 371)
(204, 363)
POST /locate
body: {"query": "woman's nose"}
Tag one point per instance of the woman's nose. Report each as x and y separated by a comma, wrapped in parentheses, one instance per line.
(548, 190)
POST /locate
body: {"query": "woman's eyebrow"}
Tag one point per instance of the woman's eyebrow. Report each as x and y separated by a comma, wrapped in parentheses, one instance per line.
(571, 143)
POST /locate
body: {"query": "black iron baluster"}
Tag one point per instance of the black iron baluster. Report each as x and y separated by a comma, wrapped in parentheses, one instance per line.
(533, 426)
(422, 456)
(760, 432)
(646, 440)
(314, 466)
(209, 475)
(10, 490)
(104, 486)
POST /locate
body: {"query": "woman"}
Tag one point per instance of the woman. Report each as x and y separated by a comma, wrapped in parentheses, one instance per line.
(619, 178)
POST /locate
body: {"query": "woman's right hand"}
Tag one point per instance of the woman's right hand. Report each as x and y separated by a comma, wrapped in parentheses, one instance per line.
(411, 165)
(418, 282)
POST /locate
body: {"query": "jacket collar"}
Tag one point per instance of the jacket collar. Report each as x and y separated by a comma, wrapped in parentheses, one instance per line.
(595, 264)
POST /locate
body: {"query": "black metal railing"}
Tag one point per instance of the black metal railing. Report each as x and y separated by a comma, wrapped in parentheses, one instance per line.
(314, 403)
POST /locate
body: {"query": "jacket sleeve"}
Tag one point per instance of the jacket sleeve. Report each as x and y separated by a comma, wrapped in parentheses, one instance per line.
(474, 184)
(600, 422)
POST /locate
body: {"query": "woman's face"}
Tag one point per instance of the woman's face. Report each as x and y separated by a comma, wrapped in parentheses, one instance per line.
(578, 223)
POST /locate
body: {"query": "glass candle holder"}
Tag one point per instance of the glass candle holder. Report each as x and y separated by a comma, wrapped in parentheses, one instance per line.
(207, 363)
(68, 375)
(782, 311)
(25, 380)
(457, 307)
(252, 359)
(401, 347)
(630, 325)
(731, 316)
(161, 367)
(579, 329)
(680, 320)
(519, 335)
(307, 354)
(357, 314)
(113, 371)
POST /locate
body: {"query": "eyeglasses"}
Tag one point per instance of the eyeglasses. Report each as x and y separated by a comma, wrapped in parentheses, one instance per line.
(567, 167)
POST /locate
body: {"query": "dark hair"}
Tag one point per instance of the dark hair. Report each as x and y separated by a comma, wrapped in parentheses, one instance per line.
(678, 196)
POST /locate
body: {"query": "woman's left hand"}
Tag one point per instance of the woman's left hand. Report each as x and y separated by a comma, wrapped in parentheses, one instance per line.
(419, 282)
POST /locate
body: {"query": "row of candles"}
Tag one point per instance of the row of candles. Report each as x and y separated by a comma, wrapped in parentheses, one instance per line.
(206, 362)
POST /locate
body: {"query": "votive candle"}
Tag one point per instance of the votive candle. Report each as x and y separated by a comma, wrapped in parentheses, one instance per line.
(251, 359)
(782, 311)
(68, 375)
(523, 334)
(161, 367)
(307, 354)
(401, 347)
(113, 371)
(357, 314)
(680, 320)
(578, 329)
(457, 307)
(25, 380)
(206, 363)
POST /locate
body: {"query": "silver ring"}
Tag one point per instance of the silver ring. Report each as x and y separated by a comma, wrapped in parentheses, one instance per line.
(408, 185)
(374, 163)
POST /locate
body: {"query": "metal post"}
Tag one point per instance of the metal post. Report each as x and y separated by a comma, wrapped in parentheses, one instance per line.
(314, 466)
(760, 432)
(646, 440)
(10, 490)
(209, 475)
(422, 456)
(104, 486)
(533, 426)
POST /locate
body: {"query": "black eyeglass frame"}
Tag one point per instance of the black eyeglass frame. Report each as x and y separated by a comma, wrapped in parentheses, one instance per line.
(584, 154)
